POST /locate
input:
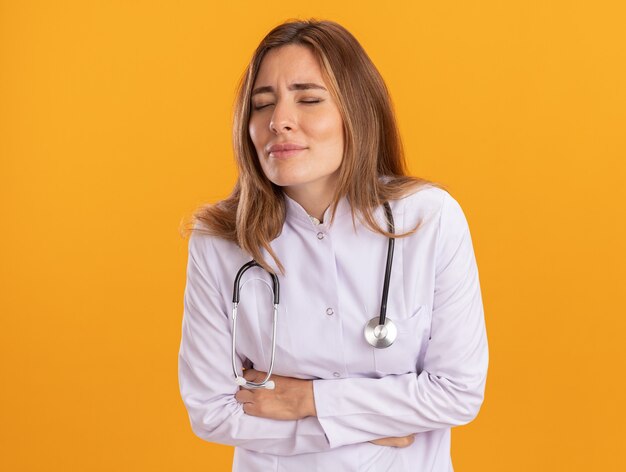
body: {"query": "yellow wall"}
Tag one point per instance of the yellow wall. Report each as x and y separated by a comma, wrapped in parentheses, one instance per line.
(115, 124)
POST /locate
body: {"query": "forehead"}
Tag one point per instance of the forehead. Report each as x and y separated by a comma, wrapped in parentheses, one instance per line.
(289, 63)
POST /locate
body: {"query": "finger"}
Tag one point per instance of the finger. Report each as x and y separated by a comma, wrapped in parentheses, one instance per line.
(403, 441)
(250, 409)
(244, 396)
(249, 374)
(253, 375)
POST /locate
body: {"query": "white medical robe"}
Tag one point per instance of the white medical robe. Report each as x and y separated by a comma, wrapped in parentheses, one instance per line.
(430, 379)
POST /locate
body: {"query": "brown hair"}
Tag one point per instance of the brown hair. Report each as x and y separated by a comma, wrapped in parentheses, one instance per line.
(254, 213)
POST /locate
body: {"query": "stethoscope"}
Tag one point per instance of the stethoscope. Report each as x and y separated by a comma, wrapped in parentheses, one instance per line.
(380, 331)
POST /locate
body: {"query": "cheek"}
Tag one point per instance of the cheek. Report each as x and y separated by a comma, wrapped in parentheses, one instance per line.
(256, 133)
(329, 129)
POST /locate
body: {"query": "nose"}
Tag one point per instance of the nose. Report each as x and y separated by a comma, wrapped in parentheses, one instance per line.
(283, 118)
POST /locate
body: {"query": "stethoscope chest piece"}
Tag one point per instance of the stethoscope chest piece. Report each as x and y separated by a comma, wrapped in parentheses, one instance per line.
(378, 335)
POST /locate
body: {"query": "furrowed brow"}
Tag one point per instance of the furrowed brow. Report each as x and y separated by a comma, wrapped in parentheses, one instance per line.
(305, 86)
(266, 89)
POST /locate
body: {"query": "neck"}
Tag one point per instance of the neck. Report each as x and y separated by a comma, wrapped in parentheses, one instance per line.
(315, 199)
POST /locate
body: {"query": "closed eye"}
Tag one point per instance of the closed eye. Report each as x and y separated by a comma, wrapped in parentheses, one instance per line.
(314, 100)
(307, 101)
(259, 107)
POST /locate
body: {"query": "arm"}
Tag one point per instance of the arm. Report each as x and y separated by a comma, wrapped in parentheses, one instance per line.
(206, 382)
(449, 391)
(292, 399)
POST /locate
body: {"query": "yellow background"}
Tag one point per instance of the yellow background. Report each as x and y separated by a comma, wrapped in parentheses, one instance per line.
(115, 125)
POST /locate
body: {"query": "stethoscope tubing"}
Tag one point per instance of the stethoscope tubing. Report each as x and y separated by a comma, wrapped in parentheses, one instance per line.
(390, 250)
(265, 383)
(369, 330)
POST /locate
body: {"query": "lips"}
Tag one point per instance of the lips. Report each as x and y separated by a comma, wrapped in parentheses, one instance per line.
(285, 149)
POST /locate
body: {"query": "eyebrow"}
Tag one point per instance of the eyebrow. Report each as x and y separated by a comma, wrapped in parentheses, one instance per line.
(270, 89)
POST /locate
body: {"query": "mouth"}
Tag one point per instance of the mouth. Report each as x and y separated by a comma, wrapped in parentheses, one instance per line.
(284, 150)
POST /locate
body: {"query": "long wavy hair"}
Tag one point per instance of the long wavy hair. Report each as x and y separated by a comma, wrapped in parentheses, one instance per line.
(254, 213)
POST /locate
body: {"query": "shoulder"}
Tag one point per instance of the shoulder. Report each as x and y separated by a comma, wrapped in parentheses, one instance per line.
(425, 196)
(420, 206)
(433, 205)
(206, 248)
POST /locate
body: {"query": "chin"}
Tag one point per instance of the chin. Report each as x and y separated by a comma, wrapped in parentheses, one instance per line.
(289, 180)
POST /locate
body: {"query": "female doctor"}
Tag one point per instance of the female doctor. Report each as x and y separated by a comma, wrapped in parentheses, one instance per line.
(363, 302)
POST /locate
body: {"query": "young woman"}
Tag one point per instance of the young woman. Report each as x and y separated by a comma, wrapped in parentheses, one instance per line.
(369, 274)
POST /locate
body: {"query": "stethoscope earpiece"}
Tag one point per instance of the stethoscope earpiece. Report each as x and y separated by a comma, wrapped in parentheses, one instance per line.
(268, 384)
